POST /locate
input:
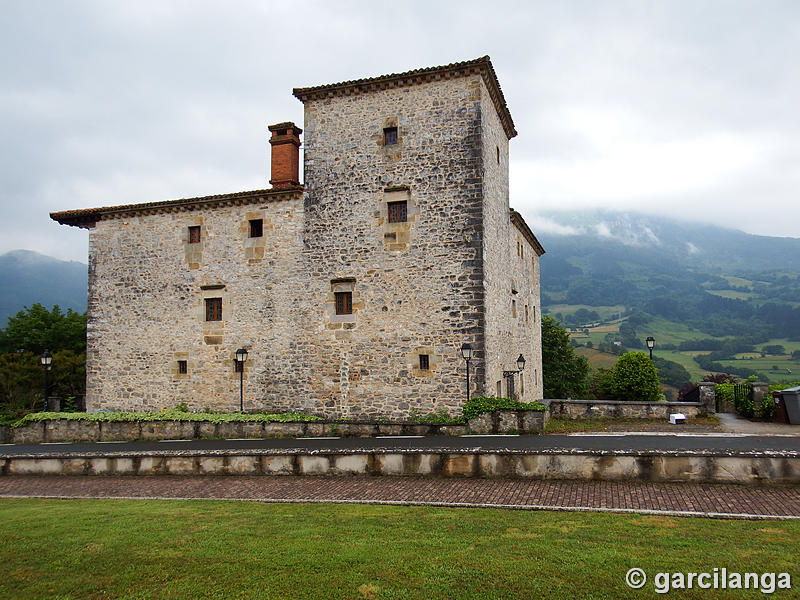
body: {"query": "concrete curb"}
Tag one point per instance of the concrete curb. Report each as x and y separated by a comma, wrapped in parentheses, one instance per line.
(748, 468)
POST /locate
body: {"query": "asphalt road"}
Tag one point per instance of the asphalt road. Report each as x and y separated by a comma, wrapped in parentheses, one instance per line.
(622, 442)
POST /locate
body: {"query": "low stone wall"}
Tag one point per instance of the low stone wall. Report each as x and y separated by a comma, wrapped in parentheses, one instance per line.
(595, 409)
(63, 430)
(744, 468)
(510, 421)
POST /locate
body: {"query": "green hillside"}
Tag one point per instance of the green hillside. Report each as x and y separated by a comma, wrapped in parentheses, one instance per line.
(712, 298)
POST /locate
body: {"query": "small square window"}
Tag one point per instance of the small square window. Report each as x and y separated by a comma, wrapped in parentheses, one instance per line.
(183, 367)
(194, 234)
(213, 309)
(424, 362)
(398, 211)
(344, 303)
(256, 227)
(389, 136)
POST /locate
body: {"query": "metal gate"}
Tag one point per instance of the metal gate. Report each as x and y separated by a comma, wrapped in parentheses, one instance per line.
(743, 399)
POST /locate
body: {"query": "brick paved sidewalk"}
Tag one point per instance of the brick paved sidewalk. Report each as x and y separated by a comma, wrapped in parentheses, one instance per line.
(670, 498)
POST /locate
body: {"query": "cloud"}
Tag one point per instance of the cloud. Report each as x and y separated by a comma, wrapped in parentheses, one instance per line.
(681, 109)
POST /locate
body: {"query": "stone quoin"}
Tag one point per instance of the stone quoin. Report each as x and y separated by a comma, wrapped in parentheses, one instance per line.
(351, 292)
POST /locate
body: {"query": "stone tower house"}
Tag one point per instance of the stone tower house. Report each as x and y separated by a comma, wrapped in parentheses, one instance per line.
(352, 293)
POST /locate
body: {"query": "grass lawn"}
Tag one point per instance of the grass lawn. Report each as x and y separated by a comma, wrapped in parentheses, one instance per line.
(92, 549)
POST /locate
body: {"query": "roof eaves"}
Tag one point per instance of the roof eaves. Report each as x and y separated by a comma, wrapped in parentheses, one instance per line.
(526, 232)
(482, 65)
(87, 217)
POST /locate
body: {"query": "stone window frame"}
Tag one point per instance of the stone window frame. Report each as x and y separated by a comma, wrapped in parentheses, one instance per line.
(255, 245)
(415, 361)
(175, 366)
(344, 284)
(193, 244)
(213, 331)
(396, 235)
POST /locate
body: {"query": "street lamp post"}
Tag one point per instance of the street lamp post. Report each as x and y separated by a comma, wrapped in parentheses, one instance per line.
(651, 343)
(510, 376)
(466, 354)
(241, 357)
(47, 362)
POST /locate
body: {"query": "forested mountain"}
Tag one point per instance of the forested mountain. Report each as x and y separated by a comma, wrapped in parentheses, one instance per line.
(721, 281)
(29, 277)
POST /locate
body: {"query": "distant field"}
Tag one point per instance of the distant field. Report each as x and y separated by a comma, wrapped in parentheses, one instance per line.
(733, 294)
(739, 282)
(685, 360)
(790, 346)
(787, 369)
(671, 332)
(597, 359)
(605, 312)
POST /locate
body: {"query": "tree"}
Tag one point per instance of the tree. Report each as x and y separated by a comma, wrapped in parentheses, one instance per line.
(774, 350)
(635, 378)
(37, 329)
(671, 373)
(29, 333)
(565, 373)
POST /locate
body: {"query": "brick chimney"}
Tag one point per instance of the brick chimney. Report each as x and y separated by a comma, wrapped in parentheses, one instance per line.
(285, 143)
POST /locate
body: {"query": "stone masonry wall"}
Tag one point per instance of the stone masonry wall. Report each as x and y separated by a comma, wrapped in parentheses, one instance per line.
(419, 292)
(511, 275)
(147, 291)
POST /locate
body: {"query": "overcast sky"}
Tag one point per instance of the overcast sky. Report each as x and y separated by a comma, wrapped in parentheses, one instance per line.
(680, 108)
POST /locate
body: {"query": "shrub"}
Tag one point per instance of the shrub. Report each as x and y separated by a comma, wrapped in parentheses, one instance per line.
(767, 407)
(601, 385)
(635, 378)
(165, 415)
(486, 404)
(724, 391)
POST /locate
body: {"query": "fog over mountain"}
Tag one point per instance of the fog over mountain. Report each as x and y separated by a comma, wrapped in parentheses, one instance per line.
(29, 277)
(640, 237)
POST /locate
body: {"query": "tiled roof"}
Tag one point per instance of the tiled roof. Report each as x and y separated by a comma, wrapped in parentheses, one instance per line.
(526, 232)
(482, 66)
(87, 217)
